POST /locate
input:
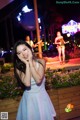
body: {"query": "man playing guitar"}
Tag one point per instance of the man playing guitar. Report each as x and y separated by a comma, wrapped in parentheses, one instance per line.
(31, 43)
(59, 41)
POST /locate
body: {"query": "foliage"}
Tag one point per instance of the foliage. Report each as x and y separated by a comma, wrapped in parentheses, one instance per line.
(75, 53)
(9, 87)
(6, 67)
(62, 78)
(54, 79)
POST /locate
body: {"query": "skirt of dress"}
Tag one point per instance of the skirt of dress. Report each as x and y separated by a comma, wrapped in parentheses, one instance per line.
(36, 106)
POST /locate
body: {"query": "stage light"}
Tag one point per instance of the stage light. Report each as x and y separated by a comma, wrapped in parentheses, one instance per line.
(18, 17)
(27, 18)
(46, 43)
(78, 45)
(39, 20)
(25, 9)
(40, 27)
(68, 34)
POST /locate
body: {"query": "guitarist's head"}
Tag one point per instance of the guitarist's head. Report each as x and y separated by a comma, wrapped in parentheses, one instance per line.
(27, 38)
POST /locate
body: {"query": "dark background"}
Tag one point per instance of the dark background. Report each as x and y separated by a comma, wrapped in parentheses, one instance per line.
(53, 15)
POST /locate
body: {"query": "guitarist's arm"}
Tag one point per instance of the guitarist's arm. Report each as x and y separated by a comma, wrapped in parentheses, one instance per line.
(35, 45)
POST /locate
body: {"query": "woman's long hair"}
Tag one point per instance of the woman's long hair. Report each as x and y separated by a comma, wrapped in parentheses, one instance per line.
(18, 63)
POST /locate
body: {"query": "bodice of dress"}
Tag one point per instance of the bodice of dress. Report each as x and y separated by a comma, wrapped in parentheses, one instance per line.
(61, 41)
(36, 87)
(35, 103)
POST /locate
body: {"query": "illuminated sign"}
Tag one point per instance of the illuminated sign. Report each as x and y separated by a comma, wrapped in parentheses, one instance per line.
(71, 27)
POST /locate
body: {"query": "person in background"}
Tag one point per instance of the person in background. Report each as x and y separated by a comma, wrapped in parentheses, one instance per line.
(35, 103)
(30, 42)
(59, 41)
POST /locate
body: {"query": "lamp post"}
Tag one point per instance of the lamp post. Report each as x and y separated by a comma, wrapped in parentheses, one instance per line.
(37, 28)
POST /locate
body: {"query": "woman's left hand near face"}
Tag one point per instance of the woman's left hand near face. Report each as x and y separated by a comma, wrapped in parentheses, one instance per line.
(22, 59)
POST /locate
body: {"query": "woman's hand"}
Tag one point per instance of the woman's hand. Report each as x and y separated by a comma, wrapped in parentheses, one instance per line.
(23, 59)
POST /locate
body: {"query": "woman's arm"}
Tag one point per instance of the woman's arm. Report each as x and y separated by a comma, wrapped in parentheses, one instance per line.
(56, 41)
(25, 77)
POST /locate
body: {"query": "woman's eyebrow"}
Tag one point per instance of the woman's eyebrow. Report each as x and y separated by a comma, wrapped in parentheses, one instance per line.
(22, 49)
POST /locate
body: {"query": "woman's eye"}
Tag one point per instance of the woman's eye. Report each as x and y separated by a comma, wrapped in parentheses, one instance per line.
(25, 49)
(18, 53)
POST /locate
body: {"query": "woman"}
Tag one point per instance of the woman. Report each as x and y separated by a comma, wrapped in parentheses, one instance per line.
(30, 42)
(59, 41)
(35, 103)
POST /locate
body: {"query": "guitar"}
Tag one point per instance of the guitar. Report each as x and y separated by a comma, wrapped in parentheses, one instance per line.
(59, 43)
(36, 44)
(32, 44)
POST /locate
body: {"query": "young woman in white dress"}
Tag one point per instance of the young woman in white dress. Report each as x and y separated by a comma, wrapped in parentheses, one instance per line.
(35, 103)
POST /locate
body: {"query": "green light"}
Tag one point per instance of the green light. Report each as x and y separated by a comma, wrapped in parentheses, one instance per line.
(68, 109)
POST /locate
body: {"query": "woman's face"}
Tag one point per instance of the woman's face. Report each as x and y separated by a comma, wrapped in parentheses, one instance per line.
(58, 34)
(23, 51)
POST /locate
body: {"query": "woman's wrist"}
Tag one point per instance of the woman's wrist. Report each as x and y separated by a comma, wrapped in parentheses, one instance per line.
(27, 63)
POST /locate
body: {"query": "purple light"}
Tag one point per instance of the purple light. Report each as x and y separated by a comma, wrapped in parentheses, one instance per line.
(71, 27)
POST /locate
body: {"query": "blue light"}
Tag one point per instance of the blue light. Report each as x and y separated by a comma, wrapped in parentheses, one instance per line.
(39, 20)
(25, 9)
(20, 14)
(40, 27)
(18, 17)
(27, 18)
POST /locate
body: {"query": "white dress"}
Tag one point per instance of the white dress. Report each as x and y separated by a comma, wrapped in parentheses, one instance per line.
(35, 104)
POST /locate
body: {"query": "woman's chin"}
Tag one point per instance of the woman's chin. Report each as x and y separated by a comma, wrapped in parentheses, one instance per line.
(27, 60)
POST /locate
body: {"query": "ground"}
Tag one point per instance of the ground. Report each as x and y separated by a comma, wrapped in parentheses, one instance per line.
(53, 63)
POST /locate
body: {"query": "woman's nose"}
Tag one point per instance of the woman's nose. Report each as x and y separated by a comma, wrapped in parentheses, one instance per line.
(23, 53)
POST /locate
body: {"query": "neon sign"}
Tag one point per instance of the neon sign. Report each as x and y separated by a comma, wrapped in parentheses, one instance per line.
(71, 27)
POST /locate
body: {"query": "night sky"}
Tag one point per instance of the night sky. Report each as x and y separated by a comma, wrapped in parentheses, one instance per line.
(10, 29)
